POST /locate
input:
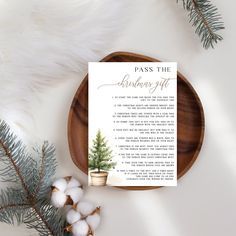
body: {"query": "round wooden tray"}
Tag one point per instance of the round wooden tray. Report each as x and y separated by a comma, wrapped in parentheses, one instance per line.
(190, 125)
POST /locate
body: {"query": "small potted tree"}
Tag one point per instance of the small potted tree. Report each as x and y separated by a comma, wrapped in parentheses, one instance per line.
(100, 160)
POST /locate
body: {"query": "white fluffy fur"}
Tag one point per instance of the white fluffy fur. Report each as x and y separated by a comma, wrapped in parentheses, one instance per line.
(42, 42)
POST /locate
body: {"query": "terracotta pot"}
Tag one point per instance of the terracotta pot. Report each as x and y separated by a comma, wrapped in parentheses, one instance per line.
(99, 178)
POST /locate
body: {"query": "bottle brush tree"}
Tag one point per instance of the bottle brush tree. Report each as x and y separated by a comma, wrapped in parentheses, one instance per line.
(100, 155)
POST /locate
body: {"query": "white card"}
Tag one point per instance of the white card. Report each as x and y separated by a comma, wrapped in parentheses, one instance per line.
(133, 123)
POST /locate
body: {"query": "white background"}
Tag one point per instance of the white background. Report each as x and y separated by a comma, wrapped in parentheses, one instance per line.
(204, 203)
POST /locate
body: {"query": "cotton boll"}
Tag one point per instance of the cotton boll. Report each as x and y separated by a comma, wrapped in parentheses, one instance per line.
(72, 183)
(93, 221)
(67, 208)
(80, 228)
(85, 208)
(75, 194)
(73, 216)
(60, 184)
(58, 199)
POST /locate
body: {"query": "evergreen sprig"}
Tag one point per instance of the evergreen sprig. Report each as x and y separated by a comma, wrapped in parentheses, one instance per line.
(27, 200)
(205, 18)
(100, 155)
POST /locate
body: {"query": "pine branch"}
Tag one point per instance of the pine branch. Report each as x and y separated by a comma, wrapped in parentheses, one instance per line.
(205, 18)
(47, 168)
(28, 203)
(13, 204)
(13, 166)
(46, 219)
(16, 165)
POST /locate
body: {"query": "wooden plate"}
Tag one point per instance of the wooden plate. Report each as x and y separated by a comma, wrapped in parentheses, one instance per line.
(190, 127)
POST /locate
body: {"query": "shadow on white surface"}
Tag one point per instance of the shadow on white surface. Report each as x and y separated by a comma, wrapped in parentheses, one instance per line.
(202, 202)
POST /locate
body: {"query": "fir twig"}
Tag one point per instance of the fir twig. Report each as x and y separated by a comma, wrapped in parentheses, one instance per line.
(28, 202)
(205, 18)
(42, 170)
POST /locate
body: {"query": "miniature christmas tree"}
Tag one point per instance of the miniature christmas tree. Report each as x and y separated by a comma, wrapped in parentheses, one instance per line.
(100, 155)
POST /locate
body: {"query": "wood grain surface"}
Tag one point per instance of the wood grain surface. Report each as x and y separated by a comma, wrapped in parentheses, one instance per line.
(190, 125)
